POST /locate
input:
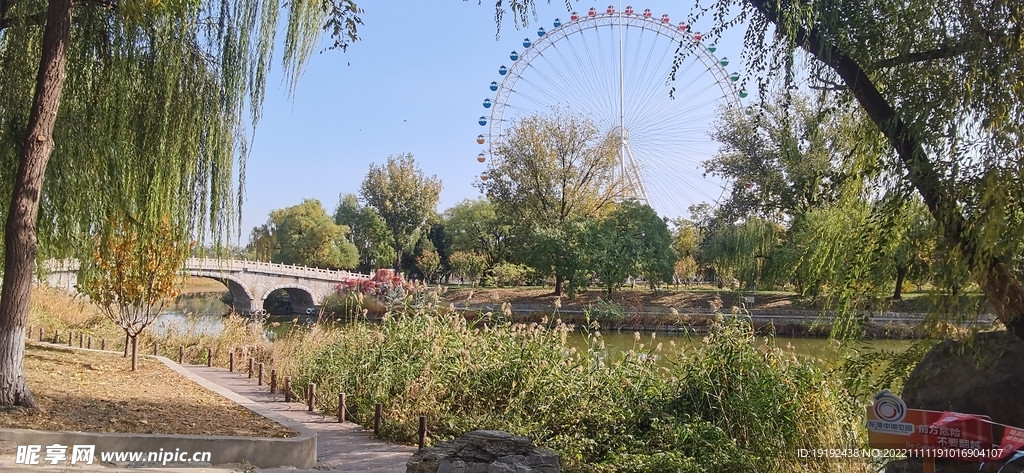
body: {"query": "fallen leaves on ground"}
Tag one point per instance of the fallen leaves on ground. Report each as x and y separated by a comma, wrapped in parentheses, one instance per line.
(97, 392)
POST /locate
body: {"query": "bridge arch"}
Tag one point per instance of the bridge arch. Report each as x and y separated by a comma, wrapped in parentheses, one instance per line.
(302, 297)
(242, 299)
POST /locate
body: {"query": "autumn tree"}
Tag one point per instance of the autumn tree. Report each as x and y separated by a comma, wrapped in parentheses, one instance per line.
(429, 261)
(133, 273)
(550, 171)
(111, 103)
(403, 197)
(468, 264)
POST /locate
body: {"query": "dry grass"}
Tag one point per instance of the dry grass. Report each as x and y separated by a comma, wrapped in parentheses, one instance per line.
(96, 392)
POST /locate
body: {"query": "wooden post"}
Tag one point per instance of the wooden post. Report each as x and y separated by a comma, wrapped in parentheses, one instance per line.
(71, 338)
(341, 407)
(376, 419)
(28, 332)
(40, 334)
(259, 378)
(181, 354)
(156, 348)
(103, 344)
(287, 389)
(422, 434)
(311, 396)
(81, 340)
(209, 357)
(231, 361)
(250, 367)
(273, 381)
(56, 336)
(88, 344)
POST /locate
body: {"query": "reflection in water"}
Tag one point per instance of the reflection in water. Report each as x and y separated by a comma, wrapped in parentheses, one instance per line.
(206, 309)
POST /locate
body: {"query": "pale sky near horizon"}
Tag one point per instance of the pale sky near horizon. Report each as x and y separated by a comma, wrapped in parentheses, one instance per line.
(414, 83)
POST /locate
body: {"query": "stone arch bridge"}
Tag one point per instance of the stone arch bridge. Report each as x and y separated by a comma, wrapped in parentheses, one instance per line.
(250, 282)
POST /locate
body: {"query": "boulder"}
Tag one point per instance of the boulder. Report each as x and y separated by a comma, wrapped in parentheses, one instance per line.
(983, 377)
(485, 451)
(976, 377)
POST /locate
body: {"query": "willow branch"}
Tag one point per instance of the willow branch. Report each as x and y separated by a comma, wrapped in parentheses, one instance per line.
(949, 49)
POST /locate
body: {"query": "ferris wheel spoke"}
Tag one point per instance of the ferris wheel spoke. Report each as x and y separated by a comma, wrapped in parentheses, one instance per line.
(550, 86)
(646, 90)
(690, 108)
(600, 75)
(579, 80)
(611, 68)
(660, 89)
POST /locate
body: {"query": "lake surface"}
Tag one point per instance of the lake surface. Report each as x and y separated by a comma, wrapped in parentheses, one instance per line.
(207, 312)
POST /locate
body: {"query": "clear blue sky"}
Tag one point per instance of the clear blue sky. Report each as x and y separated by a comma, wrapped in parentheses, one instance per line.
(414, 83)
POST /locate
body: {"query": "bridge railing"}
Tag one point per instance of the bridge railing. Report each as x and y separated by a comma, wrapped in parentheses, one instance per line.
(214, 264)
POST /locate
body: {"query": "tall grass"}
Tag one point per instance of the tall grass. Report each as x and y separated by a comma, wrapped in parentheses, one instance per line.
(730, 404)
(727, 405)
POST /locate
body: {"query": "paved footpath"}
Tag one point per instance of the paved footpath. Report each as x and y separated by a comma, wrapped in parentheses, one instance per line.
(340, 447)
(344, 447)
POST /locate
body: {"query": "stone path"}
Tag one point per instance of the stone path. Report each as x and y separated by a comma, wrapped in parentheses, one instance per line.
(340, 447)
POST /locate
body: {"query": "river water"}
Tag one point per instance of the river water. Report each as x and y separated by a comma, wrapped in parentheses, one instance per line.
(207, 312)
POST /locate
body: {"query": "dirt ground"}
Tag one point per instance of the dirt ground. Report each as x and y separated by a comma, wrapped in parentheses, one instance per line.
(97, 392)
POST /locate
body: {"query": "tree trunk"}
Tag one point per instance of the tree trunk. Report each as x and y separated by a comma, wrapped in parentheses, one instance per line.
(559, 282)
(135, 353)
(127, 342)
(1002, 289)
(20, 242)
(901, 275)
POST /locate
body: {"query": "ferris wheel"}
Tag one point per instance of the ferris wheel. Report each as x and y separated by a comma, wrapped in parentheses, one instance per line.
(650, 82)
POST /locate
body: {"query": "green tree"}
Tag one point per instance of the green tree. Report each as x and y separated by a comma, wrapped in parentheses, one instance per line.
(632, 241)
(135, 108)
(368, 233)
(473, 226)
(742, 250)
(305, 235)
(790, 158)
(403, 197)
(565, 251)
(549, 172)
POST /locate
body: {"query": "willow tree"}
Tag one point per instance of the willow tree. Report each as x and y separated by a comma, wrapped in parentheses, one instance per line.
(944, 87)
(133, 109)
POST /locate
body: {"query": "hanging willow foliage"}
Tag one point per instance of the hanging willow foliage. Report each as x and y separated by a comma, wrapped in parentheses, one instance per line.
(160, 102)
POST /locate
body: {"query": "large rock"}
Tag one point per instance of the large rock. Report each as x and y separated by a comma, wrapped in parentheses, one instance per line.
(485, 451)
(983, 377)
(979, 377)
